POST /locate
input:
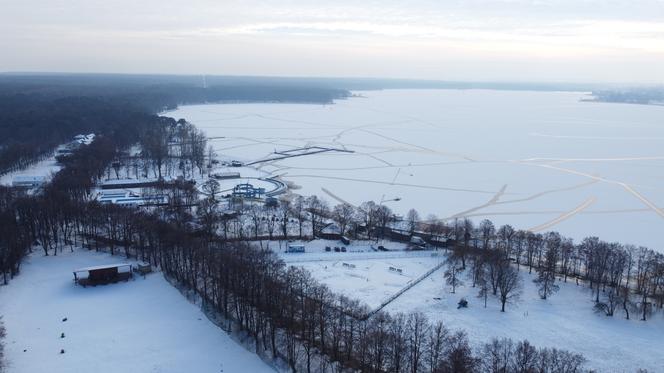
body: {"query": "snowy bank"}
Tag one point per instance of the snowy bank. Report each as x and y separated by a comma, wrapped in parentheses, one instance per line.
(144, 325)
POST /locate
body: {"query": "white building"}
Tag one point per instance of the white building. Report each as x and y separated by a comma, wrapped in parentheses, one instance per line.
(24, 181)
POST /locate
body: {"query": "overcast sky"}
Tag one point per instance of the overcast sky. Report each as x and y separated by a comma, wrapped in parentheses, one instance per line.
(505, 40)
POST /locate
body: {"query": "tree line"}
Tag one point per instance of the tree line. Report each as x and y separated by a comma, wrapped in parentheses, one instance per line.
(622, 277)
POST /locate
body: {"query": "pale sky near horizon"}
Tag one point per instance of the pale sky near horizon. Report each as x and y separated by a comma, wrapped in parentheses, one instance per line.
(477, 40)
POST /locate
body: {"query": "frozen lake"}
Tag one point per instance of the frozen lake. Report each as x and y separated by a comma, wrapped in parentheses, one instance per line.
(535, 160)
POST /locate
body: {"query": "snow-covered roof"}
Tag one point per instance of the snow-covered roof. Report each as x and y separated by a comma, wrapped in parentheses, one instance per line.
(24, 178)
(105, 266)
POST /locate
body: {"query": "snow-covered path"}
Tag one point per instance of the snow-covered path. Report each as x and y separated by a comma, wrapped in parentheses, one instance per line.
(144, 325)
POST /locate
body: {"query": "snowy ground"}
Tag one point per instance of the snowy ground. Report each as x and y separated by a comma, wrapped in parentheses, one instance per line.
(536, 160)
(46, 168)
(144, 325)
(566, 320)
(369, 280)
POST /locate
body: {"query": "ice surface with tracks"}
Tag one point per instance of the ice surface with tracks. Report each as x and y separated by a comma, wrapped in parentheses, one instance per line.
(536, 160)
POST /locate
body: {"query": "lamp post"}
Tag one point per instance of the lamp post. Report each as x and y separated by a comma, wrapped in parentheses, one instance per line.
(387, 219)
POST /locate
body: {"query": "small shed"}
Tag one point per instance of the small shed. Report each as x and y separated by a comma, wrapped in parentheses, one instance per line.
(103, 274)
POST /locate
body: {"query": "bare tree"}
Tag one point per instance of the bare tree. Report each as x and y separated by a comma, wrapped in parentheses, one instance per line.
(484, 287)
(299, 212)
(509, 283)
(610, 301)
(497, 356)
(343, 215)
(418, 328)
(546, 274)
(525, 358)
(284, 212)
(487, 232)
(452, 272)
(412, 219)
(383, 216)
(211, 187)
(318, 210)
(505, 234)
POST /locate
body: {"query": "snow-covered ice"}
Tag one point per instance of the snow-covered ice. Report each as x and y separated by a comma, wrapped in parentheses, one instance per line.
(144, 325)
(578, 167)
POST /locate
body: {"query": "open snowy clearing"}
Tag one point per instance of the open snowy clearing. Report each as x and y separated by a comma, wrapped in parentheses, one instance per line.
(144, 325)
(370, 280)
(566, 320)
(45, 168)
(536, 160)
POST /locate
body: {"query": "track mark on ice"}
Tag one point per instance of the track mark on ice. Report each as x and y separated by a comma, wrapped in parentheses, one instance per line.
(540, 194)
(625, 186)
(492, 201)
(587, 203)
(335, 197)
(419, 147)
(397, 184)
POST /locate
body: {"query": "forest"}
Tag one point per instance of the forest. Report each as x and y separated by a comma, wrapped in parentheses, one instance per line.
(66, 105)
(644, 96)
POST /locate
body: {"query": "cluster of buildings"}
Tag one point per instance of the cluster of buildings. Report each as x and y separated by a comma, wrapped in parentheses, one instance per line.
(70, 147)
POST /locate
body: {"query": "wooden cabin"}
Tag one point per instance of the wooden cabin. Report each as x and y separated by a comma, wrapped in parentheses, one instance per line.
(103, 274)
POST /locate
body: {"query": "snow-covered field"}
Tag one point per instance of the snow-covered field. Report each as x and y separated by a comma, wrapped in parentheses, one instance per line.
(46, 168)
(144, 325)
(369, 280)
(536, 160)
(565, 320)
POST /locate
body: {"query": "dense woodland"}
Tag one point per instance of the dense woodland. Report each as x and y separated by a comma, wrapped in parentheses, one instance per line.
(220, 256)
(63, 106)
(644, 96)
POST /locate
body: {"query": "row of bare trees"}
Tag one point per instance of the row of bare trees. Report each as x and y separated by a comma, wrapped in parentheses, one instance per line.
(171, 148)
(620, 276)
(286, 312)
